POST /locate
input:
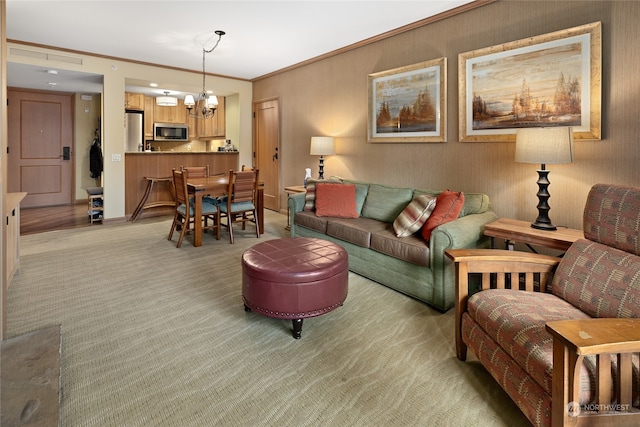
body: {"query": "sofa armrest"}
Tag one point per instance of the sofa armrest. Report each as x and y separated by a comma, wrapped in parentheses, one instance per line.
(295, 204)
(463, 232)
(500, 269)
(574, 339)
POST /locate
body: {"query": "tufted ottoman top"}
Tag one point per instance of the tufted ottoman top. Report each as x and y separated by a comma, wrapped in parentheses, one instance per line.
(294, 260)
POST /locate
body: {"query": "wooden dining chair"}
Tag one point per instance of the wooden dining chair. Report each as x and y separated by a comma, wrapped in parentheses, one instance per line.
(247, 168)
(196, 171)
(241, 201)
(184, 213)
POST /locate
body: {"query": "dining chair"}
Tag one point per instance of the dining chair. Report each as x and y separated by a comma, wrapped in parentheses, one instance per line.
(196, 171)
(247, 168)
(200, 172)
(241, 201)
(184, 213)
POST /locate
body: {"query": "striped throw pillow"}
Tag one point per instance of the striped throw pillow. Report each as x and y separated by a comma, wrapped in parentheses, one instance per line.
(413, 217)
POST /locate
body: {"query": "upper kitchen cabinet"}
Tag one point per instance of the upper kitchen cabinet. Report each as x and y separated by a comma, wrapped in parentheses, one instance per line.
(215, 126)
(133, 101)
(149, 104)
(177, 114)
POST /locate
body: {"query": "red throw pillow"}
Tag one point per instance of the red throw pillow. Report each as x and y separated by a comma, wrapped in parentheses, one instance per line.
(336, 200)
(448, 206)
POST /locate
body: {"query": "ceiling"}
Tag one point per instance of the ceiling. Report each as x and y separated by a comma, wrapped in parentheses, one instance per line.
(261, 36)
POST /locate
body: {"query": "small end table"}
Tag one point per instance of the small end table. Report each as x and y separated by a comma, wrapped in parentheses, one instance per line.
(521, 231)
(292, 190)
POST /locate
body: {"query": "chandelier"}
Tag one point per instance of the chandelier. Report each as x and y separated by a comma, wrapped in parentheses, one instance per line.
(205, 105)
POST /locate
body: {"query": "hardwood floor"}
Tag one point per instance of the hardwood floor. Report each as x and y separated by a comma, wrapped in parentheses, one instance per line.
(38, 220)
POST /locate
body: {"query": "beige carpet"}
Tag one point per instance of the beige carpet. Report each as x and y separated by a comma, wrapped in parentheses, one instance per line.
(153, 335)
(30, 376)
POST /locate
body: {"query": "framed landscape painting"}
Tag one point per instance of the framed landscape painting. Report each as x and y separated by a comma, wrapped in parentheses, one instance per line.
(408, 104)
(549, 80)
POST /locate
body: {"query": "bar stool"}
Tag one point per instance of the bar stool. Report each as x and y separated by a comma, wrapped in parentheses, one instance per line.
(143, 202)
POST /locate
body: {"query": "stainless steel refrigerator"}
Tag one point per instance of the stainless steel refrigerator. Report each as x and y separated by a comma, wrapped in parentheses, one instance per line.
(134, 131)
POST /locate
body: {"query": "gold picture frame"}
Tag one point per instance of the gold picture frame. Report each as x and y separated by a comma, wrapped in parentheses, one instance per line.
(408, 104)
(550, 80)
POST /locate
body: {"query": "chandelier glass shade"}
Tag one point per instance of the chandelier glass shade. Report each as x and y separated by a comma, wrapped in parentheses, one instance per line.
(204, 106)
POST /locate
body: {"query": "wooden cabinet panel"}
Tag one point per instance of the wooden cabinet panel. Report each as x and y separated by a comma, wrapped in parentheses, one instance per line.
(177, 114)
(149, 103)
(134, 101)
(12, 234)
(215, 126)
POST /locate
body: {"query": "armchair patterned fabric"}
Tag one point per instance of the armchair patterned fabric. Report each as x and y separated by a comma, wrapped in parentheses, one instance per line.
(512, 323)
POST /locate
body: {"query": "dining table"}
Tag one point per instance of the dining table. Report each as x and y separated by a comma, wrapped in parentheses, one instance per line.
(216, 186)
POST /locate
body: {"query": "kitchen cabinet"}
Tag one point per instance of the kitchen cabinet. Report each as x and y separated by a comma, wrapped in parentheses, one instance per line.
(215, 126)
(177, 114)
(149, 103)
(133, 101)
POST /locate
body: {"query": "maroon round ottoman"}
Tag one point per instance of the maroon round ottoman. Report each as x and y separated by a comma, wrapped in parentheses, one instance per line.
(294, 278)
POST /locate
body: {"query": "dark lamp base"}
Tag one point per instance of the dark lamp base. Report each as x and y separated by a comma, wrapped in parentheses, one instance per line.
(543, 226)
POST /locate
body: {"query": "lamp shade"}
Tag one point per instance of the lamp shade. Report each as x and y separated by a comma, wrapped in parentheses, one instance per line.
(322, 146)
(212, 101)
(545, 145)
(189, 101)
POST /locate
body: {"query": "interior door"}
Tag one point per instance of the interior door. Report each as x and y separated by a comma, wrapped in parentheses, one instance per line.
(267, 145)
(40, 147)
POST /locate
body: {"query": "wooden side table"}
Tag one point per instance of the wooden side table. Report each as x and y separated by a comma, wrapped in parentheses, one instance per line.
(521, 231)
(292, 190)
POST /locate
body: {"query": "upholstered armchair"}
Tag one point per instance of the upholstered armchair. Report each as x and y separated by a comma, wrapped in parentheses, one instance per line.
(561, 335)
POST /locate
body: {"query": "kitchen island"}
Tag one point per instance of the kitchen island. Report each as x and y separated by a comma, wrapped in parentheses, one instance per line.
(157, 164)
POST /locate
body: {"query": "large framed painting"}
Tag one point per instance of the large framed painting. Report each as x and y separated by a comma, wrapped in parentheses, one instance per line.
(408, 104)
(549, 80)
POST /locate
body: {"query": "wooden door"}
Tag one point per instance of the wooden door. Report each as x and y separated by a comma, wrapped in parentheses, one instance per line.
(267, 146)
(40, 147)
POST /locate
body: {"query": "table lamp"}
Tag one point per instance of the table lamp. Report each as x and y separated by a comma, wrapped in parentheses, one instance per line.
(545, 146)
(322, 146)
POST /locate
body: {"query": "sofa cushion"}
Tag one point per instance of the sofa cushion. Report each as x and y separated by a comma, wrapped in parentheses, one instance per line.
(599, 280)
(413, 217)
(336, 200)
(310, 195)
(385, 203)
(515, 320)
(311, 221)
(412, 248)
(362, 188)
(448, 207)
(474, 203)
(357, 231)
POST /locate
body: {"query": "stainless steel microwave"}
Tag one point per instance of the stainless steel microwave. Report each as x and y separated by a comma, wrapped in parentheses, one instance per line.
(170, 132)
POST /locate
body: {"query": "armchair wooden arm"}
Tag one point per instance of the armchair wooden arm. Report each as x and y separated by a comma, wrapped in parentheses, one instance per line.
(574, 339)
(499, 269)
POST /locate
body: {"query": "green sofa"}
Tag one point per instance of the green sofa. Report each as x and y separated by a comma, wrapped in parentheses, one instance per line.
(410, 264)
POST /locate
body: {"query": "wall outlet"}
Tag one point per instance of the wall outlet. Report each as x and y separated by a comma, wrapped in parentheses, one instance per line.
(116, 158)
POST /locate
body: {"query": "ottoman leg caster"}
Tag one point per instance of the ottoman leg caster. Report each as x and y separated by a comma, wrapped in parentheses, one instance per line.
(247, 309)
(297, 328)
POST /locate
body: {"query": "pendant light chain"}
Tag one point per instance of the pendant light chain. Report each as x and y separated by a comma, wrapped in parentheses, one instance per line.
(203, 108)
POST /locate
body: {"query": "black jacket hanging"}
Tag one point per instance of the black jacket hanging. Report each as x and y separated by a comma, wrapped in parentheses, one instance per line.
(95, 159)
